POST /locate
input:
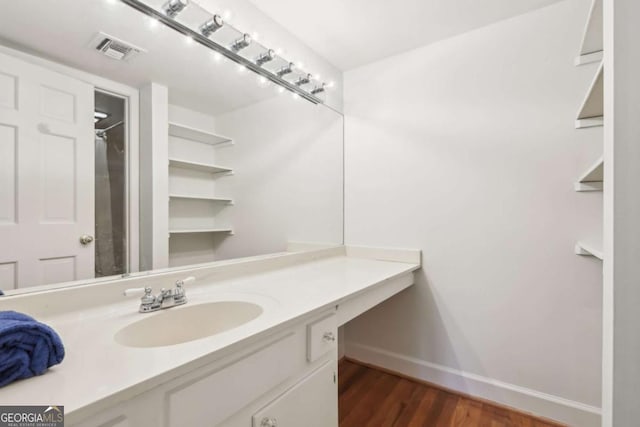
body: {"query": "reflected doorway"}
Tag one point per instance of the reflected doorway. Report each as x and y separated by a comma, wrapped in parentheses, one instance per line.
(110, 185)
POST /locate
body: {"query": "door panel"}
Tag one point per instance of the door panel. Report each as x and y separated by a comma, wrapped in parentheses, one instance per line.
(313, 402)
(46, 175)
(8, 91)
(8, 149)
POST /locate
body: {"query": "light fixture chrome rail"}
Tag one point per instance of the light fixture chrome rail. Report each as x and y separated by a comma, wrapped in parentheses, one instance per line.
(201, 36)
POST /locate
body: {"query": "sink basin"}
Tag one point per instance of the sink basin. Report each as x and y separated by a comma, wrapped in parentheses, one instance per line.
(187, 323)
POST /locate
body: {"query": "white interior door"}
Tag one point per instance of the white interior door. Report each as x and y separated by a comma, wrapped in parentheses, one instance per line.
(46, 176)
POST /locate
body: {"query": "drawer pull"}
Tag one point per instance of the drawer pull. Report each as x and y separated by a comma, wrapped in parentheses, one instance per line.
(328, 337)
(268, 422)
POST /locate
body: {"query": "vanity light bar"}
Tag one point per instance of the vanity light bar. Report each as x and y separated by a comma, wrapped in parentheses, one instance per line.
(172, 7)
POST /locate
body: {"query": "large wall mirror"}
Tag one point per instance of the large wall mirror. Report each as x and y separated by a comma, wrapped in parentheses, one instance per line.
(116, 161)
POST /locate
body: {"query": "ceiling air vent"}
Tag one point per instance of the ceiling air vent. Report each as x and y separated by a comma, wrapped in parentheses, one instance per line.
(115, 48)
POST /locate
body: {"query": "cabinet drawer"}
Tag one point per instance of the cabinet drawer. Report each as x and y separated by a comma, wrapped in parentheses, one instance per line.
(322, 337)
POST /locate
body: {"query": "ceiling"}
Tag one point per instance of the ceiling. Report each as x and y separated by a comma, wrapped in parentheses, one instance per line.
(351, 33)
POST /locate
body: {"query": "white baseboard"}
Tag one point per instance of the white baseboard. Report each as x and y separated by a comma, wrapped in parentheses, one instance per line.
(526, 400)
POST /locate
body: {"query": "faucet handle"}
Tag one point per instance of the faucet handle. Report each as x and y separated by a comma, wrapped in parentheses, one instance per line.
(180, 283)
(137, 291)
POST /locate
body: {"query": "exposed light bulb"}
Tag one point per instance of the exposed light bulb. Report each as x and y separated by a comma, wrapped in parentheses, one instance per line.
(212, 25)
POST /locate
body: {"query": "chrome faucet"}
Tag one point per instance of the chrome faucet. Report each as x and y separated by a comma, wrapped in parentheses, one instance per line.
(167, 298)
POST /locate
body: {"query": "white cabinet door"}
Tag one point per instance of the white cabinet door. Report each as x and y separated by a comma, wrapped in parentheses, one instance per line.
(313, 402)
(46, 175)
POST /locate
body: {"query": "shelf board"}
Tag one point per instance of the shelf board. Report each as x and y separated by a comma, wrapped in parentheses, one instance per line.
(198, 135)
(201, 230)
(590, 123)
(202, 167)
(589, 58)
(593, 104)
(192, 197)
(592, 38)
(585, 249)
(593, 178)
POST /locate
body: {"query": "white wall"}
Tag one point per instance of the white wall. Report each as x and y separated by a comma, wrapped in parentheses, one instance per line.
(154, 184)
(466, 149)
(622, 210)
(287, 183)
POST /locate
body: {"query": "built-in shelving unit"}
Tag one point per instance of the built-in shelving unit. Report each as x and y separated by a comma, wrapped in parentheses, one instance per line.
(197, 135)
(202, 167)
(591, 48)
(592, 179)
(198, 220)
(591, 111)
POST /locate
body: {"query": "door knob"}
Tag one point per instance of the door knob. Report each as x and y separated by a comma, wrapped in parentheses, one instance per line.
(269, 422)
(85, 239)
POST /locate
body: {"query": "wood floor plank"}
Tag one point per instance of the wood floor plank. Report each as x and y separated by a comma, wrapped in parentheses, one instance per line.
(369, 397)
(393, 405)
(371, 401)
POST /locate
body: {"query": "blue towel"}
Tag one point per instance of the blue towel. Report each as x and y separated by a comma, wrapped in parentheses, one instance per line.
(27, 347)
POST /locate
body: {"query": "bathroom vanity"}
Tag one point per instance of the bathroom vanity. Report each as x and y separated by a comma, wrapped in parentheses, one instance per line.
(256, 343)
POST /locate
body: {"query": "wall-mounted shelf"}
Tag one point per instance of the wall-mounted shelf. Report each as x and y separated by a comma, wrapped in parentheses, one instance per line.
(589, 58)
(592, 179)
(201, 167)
(585, 249)
(590, 123)
(192, 197)
(593, 104)
(201, 230)
(198, 135)
(592, 40)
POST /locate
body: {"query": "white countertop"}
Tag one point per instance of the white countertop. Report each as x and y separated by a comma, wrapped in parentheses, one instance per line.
(98, 372)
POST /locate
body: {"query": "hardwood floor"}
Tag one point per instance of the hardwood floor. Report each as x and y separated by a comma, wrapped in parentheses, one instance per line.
(372, 398)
